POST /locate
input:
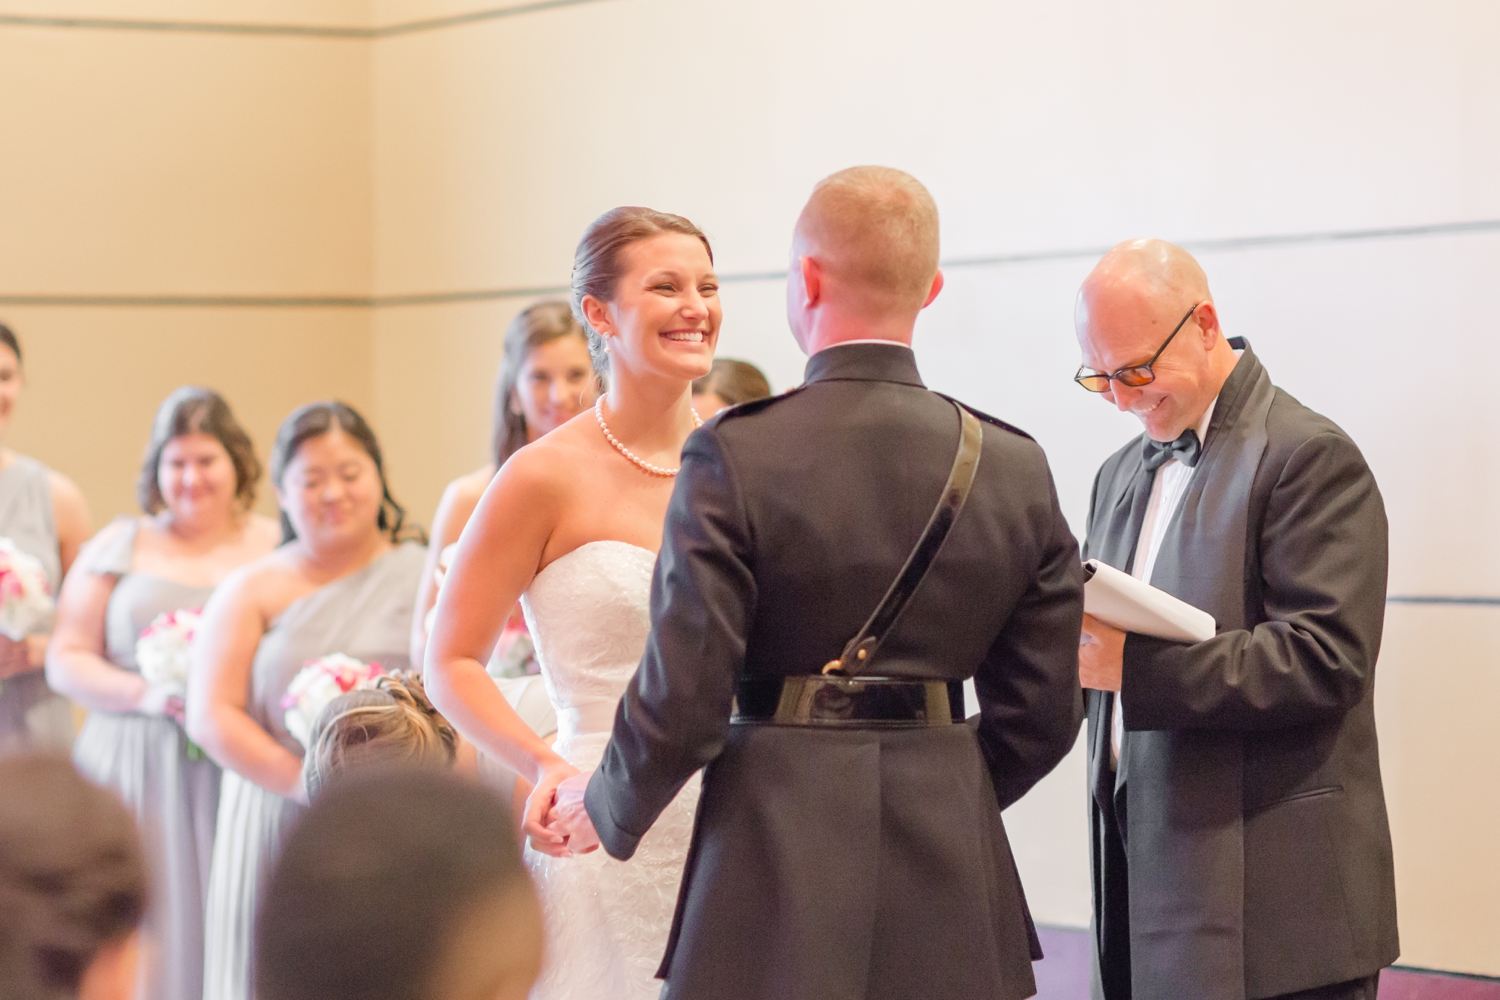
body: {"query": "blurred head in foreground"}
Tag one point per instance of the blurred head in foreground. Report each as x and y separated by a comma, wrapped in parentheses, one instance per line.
(728, 383)
(72, 885)
(390, 723)
(399, 885)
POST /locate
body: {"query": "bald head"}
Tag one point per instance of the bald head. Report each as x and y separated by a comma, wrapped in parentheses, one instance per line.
(874, 231)
(1149, 272)
(1128, 307)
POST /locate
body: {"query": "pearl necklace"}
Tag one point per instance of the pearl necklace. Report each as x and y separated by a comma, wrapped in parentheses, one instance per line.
(642, 464)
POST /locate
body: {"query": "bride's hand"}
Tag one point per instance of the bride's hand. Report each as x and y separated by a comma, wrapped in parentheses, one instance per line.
(546, 838)
(572, 815)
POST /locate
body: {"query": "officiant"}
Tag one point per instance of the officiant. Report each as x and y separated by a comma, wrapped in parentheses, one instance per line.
(1239, 842)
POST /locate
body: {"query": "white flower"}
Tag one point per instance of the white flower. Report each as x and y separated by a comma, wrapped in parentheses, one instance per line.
(318, 683)
(26, 605)
(163, 653)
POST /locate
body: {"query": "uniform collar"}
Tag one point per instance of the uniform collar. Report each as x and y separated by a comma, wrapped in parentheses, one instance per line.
(865, 362)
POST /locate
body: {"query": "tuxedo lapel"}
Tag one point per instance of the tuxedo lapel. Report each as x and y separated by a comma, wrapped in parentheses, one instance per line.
(1202, 555)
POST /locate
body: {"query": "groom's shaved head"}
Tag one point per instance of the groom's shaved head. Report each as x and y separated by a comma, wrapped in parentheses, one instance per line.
(874, 230)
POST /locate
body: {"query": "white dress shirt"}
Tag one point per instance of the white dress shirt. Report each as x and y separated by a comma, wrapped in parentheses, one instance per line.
(1167, 491)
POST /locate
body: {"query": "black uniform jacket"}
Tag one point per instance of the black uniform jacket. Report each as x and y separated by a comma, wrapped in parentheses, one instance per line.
(1257, 847)
(871, 863)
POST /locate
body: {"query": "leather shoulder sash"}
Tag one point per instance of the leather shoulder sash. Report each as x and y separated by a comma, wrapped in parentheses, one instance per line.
(859, 654)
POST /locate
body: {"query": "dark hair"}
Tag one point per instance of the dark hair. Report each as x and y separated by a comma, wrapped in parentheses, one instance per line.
(192, 410)
(365, 895)
(734, 382)
(72, 876)
(8, 338)
(317, 419)
(597, 265)
(536, 325)
(389, 722)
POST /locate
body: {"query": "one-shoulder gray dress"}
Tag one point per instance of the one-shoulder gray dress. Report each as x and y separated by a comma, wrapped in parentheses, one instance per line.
(366, 615)
(31, 713)
(145, 759)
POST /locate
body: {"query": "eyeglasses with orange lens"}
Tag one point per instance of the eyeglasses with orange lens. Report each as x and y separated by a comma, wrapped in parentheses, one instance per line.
(1134, 376)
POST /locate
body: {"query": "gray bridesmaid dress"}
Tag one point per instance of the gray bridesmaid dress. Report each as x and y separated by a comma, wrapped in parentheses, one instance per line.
(144, 758)
(32, 714)
(366, 615)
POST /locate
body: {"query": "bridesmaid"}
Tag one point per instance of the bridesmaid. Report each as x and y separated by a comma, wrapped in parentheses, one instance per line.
(341, 582)
(197, 486)
(546, 379)
(44, 514)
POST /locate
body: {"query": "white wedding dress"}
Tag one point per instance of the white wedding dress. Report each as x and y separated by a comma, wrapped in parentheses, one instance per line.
(606, 920)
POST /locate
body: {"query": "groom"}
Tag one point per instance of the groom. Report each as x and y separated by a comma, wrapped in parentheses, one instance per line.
(848, 847)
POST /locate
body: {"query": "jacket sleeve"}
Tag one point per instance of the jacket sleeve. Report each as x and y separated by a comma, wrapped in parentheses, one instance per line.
(1323, 568)
(674, 716)
(1030, 702)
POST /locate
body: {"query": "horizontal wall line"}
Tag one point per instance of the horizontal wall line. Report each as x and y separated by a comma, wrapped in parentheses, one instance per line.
(1483, 602)
(281, 30)
(192, 301)
(742, 277)
(1251, 242)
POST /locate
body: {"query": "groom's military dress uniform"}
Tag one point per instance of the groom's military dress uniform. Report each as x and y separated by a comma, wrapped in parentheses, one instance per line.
(848, 862)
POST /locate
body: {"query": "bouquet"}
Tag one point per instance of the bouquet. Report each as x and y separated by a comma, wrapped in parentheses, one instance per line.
(318, 683)
(163, 654)
(25, 598)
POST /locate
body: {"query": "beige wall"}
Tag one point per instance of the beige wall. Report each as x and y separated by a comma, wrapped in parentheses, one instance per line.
(462, 163)
(172, 168)
(94, 378)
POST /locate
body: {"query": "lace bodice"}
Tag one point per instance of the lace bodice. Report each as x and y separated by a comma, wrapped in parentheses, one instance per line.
(607, 921)
(589, 614)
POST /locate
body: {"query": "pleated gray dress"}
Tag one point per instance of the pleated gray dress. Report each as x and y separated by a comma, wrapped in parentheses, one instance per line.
(32, 714)
(144, 758)
(366, 615)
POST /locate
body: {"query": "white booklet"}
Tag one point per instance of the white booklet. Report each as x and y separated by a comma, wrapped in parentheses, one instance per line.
(1121, 600)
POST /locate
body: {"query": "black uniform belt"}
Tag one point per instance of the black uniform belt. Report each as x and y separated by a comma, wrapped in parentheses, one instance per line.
(853, 702)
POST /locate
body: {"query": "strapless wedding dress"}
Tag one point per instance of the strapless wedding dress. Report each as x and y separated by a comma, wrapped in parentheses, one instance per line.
(607, 921)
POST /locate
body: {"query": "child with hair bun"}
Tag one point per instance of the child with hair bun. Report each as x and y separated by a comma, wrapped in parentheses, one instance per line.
(386, 722)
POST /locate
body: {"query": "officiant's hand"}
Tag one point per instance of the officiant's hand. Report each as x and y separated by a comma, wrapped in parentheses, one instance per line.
(1101, 655)
(573, 817)
(545, 837)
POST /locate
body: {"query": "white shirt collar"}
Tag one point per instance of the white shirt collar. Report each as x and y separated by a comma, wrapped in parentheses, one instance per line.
(1208, 416)
(873, 340)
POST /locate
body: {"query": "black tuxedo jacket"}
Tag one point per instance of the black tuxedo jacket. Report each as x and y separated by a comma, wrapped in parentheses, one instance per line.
(832, 864)
(1257, 847)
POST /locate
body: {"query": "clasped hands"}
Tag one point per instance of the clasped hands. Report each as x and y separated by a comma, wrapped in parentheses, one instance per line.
(557, 824)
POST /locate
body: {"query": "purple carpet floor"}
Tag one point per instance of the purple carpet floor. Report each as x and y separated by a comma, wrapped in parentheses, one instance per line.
(1064, 975)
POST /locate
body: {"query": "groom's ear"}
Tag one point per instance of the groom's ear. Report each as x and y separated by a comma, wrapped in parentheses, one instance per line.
(812, 281)
(937, 286)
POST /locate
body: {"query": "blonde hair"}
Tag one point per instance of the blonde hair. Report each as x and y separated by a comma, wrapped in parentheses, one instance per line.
(388, 721)
(877, 228)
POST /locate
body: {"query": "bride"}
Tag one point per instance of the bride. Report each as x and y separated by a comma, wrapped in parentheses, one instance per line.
(571, 525)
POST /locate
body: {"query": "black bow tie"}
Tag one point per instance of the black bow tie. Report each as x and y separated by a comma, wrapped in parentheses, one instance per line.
(1185, 449)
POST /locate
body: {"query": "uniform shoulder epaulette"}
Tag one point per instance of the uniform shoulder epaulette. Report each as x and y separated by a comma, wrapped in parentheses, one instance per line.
(989, 419)
(754, 405)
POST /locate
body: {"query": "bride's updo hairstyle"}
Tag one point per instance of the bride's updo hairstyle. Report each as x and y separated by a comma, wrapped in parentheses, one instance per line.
(315, 420)
(598, 263)
(389, 723)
